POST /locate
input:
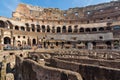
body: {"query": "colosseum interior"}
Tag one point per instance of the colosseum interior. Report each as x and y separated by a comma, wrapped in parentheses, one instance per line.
(81, 43)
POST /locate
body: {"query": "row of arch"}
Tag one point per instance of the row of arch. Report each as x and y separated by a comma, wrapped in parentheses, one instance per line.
(7, 40)
(64, 29)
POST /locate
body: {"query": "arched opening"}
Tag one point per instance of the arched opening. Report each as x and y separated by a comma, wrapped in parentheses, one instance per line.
(101, 29)
(48, 28)
(34, 42)
(58, 29)
(87, 29)
(22, 28)
(2, 24)
(7, 40)
(94, 29)
(43, 28)
(53, 29)
(38, 28)
(19, 43)
(76, 29)
(27, 27)
(26, 24)
(16, 28)
(94, 45)
(81, 30)
(63, 44)
(56, 43)
(69, 29)
(108, 43)
(33, 27)
(108, 28)
(64, 76)
(10, 24)
(64, 29)
(48, 43)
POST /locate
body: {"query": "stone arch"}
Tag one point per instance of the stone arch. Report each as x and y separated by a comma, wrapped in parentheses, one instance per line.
(22, 28)
(57, 43)
(38, 28)
(27, 27)
(33, 27)
(64, 76)
(43, 28)
(2, 24)
(101, 29)
(108, 28)
(16, 27)
(58, 29)
(94, 29)
(81, 30)
(76, 29)
(10, 24)
(7, 40)
(94, 44)
(53, 29)
(27, 24)
(64, 29)
(48, 28)
(69, 29)
(34, 41)
(108, 43)
(18, 43)
(87, 29)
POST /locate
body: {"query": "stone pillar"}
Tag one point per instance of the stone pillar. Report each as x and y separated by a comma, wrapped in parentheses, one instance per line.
(11, 40)
(72, 29)
(3, 70)
(66, 29)
(61, 29)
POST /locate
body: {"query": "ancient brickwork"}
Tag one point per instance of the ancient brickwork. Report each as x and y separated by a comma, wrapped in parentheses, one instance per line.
(30, 70)
(89, 72)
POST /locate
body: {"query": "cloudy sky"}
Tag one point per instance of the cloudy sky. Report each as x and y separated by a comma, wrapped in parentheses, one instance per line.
(8, 6)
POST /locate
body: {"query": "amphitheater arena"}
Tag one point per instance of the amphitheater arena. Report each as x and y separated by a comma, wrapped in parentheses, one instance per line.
(91, 27)
(80, 43)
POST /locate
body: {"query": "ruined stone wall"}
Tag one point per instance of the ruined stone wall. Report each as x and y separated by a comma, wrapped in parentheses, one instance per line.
(30, 70)
(89, 72)
(106, 63)
(109, 11)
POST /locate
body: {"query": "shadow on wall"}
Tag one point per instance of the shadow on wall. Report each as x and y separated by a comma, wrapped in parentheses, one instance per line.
(64, 76)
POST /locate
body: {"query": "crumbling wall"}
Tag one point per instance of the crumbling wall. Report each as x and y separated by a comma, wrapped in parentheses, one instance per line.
(83, 13)
(90, 72)
(29, 70)
(106, 63)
